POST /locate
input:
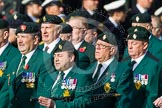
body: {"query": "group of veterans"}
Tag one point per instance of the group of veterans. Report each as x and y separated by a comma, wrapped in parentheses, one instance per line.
(77, 61)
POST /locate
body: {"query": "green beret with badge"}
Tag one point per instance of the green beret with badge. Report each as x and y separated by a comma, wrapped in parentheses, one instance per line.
(28, 27)
(141, 18)
(16, 20)
(54, 19)
(3, 24)
(138, 28)
(66, 28)
(140, 35)
(107, 37)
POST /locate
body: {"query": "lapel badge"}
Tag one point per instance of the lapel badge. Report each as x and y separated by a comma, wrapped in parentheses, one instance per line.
(134, 36)
(104, 37)
(138, 85)
(66, 93)
(137, 18)
(23, 27)
(8, 75)
(112, 77)
(15, 17)
(82, 49)
(107, 87)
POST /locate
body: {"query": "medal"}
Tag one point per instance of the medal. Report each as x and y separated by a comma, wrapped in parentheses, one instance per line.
(112, 77)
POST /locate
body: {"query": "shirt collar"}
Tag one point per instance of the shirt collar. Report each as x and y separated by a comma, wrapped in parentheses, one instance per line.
(67, 71)
(113, 21)
(90, 12)
(141, 9)
(51, 45)
(138, 60)
(78, 45)
(29, 55)
(106, 63)
(3, 48)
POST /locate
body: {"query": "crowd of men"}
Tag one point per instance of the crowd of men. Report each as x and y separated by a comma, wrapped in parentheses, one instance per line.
(49, 59)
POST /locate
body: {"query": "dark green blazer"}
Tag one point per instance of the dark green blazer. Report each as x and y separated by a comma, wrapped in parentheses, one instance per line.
(89, 50)
(145, 95)
(120, 85)
(7, 56)
(80, 93)
(18, 94)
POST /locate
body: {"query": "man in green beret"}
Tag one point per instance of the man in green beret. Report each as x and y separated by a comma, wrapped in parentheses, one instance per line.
(26, 71)
(105, 74)
(66, 32)
(145, 69)
(50, 29)
(79, 25)
(155, 45)
(68, 81)
(7, 51)
(15, 21)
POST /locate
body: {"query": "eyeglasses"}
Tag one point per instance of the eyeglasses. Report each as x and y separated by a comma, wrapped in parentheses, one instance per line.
(102, 46)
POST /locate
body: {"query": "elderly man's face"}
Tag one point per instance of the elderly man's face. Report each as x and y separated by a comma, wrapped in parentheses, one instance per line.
(78, 32)
(26, 42)
(103, 51)
(49, 32)
(136, 48)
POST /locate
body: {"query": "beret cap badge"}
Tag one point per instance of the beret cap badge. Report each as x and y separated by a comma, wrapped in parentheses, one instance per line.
(23, 27)
(134, 36)
(15, 17)
(44, 19)
(60, 47)
(137, 18)
(104, 37)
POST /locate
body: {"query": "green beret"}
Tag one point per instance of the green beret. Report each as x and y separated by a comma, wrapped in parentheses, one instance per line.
(107, 37)
(140, 35)
(141, 18)
(3, 24)
(66, 28)
(138, 28)
(65, 46)
(28, 27)
(54, 19)
(16, 20)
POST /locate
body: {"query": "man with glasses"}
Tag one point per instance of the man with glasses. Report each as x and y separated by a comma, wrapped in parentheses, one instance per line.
(79, 25)
(105, 74)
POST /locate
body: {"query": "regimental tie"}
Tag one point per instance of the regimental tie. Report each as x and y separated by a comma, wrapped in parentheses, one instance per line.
(56, 84)
(46, 48)
(21, 66)
(132, 64)
(98, 72)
